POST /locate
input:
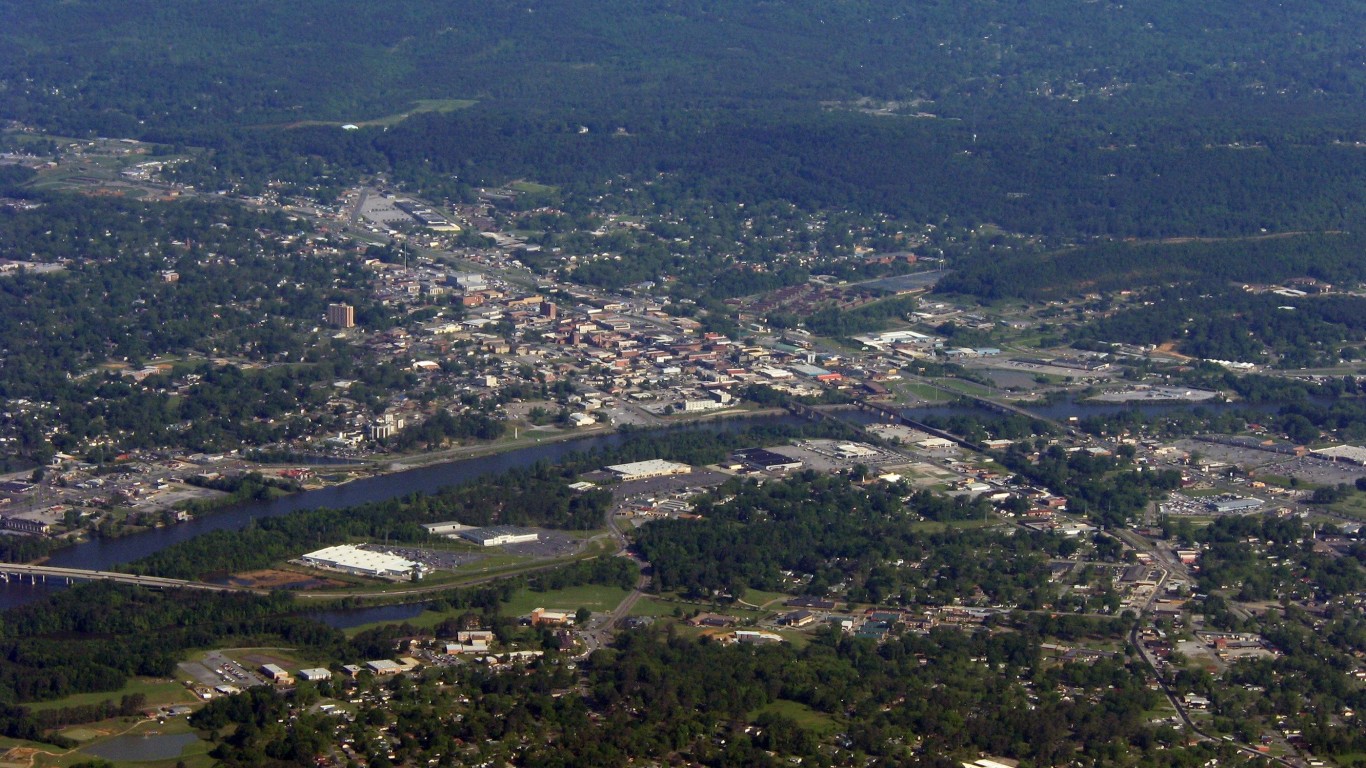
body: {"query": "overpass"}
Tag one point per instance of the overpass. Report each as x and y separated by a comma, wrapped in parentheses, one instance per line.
(39, 574)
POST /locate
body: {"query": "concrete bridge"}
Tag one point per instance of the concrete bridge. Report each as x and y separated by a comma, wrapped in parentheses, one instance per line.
(894, 415)
(41, 574)
(889, 413)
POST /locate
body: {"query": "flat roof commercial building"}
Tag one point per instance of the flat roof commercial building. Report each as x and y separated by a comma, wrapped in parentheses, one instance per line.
(276, 674)
(541, 616)
(766, 460)
(640, 470)
(361, 562)
(1350, 454)
(855, 451)
(1225, 506)
(384, 667)
(446, 528)
(498, 535)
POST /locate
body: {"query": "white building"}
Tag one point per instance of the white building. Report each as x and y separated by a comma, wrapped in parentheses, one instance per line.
(855, 451)
(384, 667)
(697, 406)
(498, 535)
(447, 528)
(639, 470)
(350, 559)
(1350, 454)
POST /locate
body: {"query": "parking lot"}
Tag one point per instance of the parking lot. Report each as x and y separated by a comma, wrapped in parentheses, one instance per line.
(827, 456)
(435, 559)
(216, 669)
(697, 480)
(1309, 469)
(1315, 471)
(550, 544)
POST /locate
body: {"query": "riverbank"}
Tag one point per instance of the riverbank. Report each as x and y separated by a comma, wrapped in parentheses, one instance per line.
(179, 511)
(460, 465)
(529, 439)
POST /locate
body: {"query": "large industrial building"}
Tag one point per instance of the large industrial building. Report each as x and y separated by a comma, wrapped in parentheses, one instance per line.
(765, 460)
(498, 535)
(361, 562)
(640, 470)
(1236, 504)
(1349, 454)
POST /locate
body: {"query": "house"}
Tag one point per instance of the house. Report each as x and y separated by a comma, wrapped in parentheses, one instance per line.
(1196, 702)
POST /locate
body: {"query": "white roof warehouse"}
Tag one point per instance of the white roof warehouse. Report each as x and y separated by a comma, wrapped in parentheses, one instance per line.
(350, 559)
(639, 470)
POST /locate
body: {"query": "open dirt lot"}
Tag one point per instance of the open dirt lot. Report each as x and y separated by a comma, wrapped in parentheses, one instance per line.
(273, 579)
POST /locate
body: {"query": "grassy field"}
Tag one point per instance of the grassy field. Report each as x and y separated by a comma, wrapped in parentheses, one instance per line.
(935, 526)
(761, 599)
(966, 387)
(651, 606)
(531, 187)
(158, 691)
(420, 106)
(1197, 493)
(28, 754)
(591, 596)
(424, 620)
(1353, 505)
(925, 392)
(808, 718)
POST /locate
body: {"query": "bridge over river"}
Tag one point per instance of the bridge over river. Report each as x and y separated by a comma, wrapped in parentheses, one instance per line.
(39, 574)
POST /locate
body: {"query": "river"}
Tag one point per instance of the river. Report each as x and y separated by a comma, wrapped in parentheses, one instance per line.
(104, 554)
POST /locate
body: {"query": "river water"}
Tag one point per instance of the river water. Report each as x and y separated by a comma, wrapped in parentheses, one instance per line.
(103, 554)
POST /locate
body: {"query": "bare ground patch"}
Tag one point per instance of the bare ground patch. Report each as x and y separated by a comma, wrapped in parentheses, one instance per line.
(277, 579)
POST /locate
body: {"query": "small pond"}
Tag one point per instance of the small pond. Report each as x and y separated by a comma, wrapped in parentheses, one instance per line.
(131, 749)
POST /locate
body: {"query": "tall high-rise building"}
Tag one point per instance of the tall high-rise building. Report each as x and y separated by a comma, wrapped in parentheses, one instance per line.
(341, 315)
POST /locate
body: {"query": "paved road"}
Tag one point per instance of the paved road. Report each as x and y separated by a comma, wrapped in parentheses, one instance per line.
(1170, 565)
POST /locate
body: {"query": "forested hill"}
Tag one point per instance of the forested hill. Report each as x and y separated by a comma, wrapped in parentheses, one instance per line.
(1330, 257)
(1061, 118)
(121, 66)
